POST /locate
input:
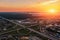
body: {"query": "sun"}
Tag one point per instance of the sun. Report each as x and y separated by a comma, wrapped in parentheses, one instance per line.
(52, 10)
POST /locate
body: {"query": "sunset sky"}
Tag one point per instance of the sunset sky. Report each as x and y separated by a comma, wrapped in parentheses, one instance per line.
(29, 5)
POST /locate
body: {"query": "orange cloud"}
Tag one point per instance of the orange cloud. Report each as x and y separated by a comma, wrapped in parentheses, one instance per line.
(21, 9)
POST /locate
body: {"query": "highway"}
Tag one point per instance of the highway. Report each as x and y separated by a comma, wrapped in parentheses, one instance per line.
(49, 37)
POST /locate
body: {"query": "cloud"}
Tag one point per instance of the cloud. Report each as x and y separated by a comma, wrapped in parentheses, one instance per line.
(49, 2)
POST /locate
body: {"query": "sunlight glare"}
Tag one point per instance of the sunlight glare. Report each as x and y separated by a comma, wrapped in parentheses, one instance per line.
(52, 11)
